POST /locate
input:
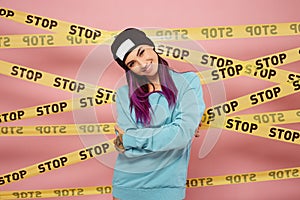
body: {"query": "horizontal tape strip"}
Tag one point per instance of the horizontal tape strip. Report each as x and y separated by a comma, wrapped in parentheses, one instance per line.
(226, 32)
(197, 33)
(278, 117)
(252, 177)
(58, 130)
(53, 25)
(59, 192)
(47, 40)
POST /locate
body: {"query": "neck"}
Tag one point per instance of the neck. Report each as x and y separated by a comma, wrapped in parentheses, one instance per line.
(154, 84)
(154, 79)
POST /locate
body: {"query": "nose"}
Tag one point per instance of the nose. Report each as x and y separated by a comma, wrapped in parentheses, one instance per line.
(142, 63)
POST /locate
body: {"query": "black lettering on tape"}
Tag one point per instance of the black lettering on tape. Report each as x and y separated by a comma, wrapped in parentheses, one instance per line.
(295, 79)
(93, 151)
(295, 28)
(199, 182)
(106, 95)
(5, 130)
(5, 42)
(78, 40)
(69, 192)
(261, 30)
(28, 74)
(67, 84)
(225, 108)
(12, 116)
(270, 60)
(265, 95)
(241, 178)
(104, 189)
(172, 51)
(84, 32)
(51, 108)
(40, 40)
(287, 135)
(176, 34)
(27, 194)
(287, 173)
(52, 164)
(211, 60)
(15, 176)
(296, 85)
(220, 32)
(239, 125)
(6, 13)
(94, 128)
(40, 21)
(50, 129)
(229, 71)
(269, 118)
(90, 101)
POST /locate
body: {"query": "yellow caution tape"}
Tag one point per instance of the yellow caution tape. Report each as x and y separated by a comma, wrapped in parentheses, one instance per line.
(55, 81)
(58, 162)
(270, 118)
(47, 40)
(247, 101)
(225, 68)
(260, 130)
(59, 192)
(226, 32)
(197, 33)
(279, 117)
(53, 25)
(52, 108)
(58, 130)
(252, 177)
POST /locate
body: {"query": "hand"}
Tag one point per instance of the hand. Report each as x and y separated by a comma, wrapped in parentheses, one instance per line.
(118, 141)
(197, 132)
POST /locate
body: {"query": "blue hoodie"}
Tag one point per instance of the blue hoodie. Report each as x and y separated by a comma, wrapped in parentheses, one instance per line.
(154, 165)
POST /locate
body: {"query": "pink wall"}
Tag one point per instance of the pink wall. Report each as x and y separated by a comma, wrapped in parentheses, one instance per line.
(234, 153)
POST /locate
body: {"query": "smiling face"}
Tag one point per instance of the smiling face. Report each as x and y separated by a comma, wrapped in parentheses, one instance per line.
(143, 61)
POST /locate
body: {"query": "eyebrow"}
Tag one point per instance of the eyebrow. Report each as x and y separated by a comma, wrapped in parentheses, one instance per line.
(138, 52)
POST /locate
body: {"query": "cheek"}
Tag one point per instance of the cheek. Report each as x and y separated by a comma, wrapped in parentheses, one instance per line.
(135, 70)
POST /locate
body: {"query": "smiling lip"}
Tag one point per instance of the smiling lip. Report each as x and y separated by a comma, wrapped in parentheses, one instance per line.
(148, 68)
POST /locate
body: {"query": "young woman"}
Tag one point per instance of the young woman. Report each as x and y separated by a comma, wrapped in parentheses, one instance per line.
(158, 113)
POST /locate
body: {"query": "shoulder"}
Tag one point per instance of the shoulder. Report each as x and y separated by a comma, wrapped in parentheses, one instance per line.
(122, 94)
(123, 89)
(185, 78)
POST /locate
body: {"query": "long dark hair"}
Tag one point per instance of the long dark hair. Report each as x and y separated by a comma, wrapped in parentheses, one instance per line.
(139, 91)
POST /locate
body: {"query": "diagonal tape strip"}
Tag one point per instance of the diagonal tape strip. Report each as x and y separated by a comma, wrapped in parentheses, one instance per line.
(58, 162)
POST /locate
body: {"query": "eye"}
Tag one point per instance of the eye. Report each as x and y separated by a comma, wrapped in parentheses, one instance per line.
(130, 64)
(142, 52)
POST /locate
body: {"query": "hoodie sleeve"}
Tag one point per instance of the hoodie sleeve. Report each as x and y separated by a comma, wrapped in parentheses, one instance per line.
(175, 135)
